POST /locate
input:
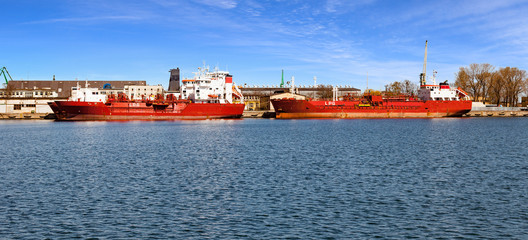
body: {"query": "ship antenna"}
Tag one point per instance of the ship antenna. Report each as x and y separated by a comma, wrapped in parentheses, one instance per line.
(292, 90)
(422, 76)
(367, 83)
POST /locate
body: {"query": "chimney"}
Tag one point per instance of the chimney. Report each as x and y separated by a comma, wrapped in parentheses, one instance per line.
(174, 81)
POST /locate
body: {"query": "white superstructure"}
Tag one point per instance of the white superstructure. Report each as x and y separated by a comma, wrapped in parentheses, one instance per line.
(441, 92)
(86, 94)
(206, 86)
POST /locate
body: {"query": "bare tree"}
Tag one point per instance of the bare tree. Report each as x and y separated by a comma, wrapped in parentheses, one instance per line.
(463, 80)
(475, 79)
(409, 88)
(324, 91)
(514, 83)
(483, 78)
(394, 88)
(405, 87)
(496, 89)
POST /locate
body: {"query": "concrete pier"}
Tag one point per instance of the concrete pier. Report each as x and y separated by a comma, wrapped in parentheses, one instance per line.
(498, 112)
(259, 114)
(21, 116)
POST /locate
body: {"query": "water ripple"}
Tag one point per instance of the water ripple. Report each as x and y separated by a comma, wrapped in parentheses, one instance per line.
(265, 179)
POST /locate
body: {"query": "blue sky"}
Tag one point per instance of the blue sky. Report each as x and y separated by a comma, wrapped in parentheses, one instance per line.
(337, 41)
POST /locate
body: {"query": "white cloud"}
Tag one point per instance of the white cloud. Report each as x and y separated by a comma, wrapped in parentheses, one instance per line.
(86, 19)
(343, 6)
(224, 4)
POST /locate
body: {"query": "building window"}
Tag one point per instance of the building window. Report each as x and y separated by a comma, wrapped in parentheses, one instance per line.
(30, 105)
(17, 107)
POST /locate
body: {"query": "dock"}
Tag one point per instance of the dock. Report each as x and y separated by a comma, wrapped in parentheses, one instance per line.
(22, 116)
(498, 112)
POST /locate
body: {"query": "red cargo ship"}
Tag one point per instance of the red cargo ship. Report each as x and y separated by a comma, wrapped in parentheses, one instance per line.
(433, 101)
(159, 110)
(91, 104)
(370, 107)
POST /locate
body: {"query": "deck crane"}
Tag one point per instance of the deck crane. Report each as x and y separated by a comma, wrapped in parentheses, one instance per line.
(5, 73)
(422, 75)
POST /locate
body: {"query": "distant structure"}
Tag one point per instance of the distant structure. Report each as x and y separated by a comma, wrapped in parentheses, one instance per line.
(174, 81)
(258, 97)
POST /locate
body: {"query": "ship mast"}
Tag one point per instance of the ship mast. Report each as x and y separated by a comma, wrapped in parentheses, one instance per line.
(282, 79)
(367, 83)
(292, 89)
(422, 75)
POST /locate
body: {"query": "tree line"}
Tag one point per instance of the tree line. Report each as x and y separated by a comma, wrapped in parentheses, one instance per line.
(483, 83)
(404, 87)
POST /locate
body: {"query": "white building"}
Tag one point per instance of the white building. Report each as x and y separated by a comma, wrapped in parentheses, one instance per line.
(25, 105)
(137, 92)
(18, 102)
(28, 93)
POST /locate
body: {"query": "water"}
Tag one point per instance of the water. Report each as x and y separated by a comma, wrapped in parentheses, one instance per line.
(265, 179)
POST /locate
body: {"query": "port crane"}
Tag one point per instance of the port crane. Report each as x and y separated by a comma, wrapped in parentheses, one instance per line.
(5, 73)
(422, 75)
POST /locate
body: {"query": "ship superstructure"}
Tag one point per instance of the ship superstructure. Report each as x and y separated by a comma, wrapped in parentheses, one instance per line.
(441, 92)
(86, 94)
(207, 86)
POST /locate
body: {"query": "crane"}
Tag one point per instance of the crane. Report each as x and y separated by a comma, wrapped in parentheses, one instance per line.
(5, 73)
(422, 75)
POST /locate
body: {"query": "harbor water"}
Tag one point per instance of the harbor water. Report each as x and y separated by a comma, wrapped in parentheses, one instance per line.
(265, 179)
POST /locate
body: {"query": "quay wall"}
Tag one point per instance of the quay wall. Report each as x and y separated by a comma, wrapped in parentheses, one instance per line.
(497, 114)
(22, 116)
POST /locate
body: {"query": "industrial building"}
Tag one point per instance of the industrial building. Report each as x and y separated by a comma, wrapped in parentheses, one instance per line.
(258, 97)
(29, 98)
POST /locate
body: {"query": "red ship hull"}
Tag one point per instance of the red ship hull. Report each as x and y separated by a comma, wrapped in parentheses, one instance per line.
(90, 111)
(291, 108)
